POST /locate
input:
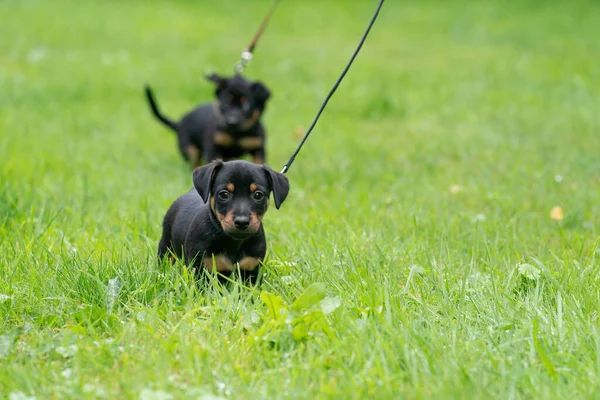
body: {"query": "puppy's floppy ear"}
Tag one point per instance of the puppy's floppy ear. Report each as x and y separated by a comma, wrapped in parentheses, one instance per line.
(280, 186)
(260, 92)
(203, 178)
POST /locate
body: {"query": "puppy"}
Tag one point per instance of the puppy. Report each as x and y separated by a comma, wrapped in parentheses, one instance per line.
(225, 130)
(220, 219)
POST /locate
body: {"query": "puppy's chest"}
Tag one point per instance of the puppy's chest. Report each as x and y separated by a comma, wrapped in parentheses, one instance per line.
(227, 258)
(231, 254)
(228, 141)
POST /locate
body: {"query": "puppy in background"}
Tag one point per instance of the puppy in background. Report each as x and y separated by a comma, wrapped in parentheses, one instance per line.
(217, 226)
(227, 129)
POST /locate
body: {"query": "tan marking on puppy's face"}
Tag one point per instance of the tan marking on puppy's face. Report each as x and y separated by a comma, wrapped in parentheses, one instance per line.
(255, 221)
(223, 139)
(226, 220)
(258, 159)
(253, 120)
(221, 263)
(257, 216)
(249, 263)
(250, 143)
(230, 187)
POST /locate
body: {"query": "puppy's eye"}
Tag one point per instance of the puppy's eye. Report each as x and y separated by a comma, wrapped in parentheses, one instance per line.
(224, 195)
(229, 97)
(245, 106)
(258, 195)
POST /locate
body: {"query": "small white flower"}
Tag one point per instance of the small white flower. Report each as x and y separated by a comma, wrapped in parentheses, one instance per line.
(68, 351)
(20, 396)
(5, 297)
(36, 55)
(149, 394)
(95, 389)
(479, 218)
(330, 304)
(454, 189)
(558, 178)
(67, 373)
(141, 316)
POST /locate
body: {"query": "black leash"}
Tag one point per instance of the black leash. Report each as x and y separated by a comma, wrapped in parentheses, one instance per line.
(246, 56)
(286, 167)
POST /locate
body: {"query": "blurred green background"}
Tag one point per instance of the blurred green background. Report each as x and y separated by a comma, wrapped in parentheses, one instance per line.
(420, 207)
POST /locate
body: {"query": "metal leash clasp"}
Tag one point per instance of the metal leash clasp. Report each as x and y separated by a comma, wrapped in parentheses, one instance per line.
(245, 59)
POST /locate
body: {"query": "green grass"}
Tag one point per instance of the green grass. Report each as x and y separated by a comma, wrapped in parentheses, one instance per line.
(415, 256)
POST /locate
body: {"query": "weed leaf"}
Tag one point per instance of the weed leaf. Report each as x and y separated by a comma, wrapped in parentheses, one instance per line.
(311, 296)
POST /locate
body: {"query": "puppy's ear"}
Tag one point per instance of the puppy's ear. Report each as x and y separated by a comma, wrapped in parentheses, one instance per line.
(215, 78)
(280, 186)
(218, 80)
(203, 178)
(260, 93)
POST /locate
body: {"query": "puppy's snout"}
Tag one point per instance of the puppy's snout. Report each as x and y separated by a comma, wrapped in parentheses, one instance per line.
(232, 120)
(241, 222)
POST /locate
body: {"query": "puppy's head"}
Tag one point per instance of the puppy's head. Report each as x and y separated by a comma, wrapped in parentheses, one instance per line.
(238, 193)
(240, 102)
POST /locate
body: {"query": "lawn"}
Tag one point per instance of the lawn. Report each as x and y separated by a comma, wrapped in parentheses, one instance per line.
(441, 238)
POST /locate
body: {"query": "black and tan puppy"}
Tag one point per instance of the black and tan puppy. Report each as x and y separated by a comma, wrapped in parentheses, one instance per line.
(226, 129)
(221, 218)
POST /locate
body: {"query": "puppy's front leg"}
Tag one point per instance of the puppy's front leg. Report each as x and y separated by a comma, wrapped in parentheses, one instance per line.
(190, 152)
(249, 269)
(258, 155)
(203, 260)
(217, 262)
(211, 154)
(251, 257)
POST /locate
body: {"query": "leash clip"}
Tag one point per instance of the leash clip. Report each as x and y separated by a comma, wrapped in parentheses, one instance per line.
(245, 59)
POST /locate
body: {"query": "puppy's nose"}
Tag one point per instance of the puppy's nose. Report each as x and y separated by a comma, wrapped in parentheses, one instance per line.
(241, 222)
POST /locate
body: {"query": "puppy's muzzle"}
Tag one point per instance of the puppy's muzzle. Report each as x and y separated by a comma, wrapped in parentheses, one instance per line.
(241, 227)
(233, 119)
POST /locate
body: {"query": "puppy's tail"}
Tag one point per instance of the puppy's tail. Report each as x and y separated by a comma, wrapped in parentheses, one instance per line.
(157, 112)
